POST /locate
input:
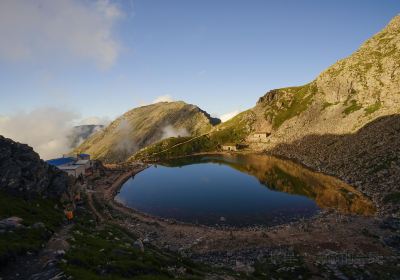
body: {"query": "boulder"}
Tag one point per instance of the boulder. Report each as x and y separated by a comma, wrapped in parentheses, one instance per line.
(138, 244)
(11, 223)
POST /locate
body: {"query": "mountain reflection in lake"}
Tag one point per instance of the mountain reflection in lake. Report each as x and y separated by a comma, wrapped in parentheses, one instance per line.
(238, 190)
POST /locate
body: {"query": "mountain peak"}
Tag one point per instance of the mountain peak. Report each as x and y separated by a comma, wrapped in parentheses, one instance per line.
(145, 125)
(394, 24)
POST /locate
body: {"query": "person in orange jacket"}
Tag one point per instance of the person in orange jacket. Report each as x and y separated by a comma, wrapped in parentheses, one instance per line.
(69, 214)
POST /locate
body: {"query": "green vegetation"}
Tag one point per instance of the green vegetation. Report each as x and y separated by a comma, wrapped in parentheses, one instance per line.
(372, 108)
(354, 106)
(27, 238)
(328, 104)
(143, 126)
(232, 131)
(107, 252)
(291, 102)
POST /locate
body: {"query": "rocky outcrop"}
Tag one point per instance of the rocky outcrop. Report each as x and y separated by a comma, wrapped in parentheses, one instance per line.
(146, 125)
(23, 173)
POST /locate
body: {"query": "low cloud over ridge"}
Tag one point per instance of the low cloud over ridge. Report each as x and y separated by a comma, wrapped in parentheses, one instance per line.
(47, 130)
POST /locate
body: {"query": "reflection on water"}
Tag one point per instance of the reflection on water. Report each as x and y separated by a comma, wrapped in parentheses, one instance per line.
(293, 178)
(238, 190)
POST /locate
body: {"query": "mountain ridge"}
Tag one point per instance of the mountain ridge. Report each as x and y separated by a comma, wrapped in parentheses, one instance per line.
(145, 125)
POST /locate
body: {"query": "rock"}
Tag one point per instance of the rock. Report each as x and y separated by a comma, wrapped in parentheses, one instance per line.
(393, 241)
(60, 252)
(23, 173)
(11, 223)
(58, 244)
(38, 225)
(138, 244)
(181, 270)
(391, 223)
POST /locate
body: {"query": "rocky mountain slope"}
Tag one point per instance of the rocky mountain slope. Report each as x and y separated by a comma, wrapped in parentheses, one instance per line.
(344, 123)
(23, 173)
(342, 99)
(349, 94)
(145, 125)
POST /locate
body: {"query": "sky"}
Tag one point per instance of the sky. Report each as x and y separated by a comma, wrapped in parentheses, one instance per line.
(92, 60)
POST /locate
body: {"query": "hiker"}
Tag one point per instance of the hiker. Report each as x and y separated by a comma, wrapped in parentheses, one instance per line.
(69, 214)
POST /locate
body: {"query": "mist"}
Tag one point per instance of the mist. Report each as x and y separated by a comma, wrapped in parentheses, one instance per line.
(46, 130)
(169, 131)
(125, 144)
(80, 133)
(51, 132)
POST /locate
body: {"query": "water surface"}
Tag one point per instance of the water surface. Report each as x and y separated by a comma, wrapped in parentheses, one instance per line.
(236, 190)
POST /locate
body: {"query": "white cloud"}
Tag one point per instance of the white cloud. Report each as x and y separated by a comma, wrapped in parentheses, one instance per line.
(63, 29)
(228, 116)
(163, 98)
(170, 131)
(125, 143)
(44, 129)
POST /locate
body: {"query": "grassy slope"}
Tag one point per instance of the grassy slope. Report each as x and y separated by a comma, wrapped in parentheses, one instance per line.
(232, 131)
(291, 102)
(144, 126)
(25, 239)
(107, 252)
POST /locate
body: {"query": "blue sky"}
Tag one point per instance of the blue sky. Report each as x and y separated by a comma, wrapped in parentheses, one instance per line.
(107, 57)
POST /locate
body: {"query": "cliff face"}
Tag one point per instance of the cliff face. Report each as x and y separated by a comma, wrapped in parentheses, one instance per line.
(145, 125)
(23, 173)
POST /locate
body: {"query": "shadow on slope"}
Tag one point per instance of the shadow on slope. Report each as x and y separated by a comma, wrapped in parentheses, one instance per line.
(368, 158)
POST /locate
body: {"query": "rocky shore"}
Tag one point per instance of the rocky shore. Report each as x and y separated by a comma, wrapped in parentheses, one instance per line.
(305, 245)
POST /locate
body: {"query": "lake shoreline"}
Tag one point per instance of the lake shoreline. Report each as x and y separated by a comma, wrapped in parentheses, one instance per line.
(323, 234)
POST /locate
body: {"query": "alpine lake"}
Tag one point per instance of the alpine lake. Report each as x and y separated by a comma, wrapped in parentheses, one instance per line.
(238, 190)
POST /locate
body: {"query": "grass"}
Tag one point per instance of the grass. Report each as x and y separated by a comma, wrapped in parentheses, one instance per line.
(328, 104)
(372, 108)
(24, 239)
(232, 131)
(354, 106)
(107, 253)
(293, 101)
